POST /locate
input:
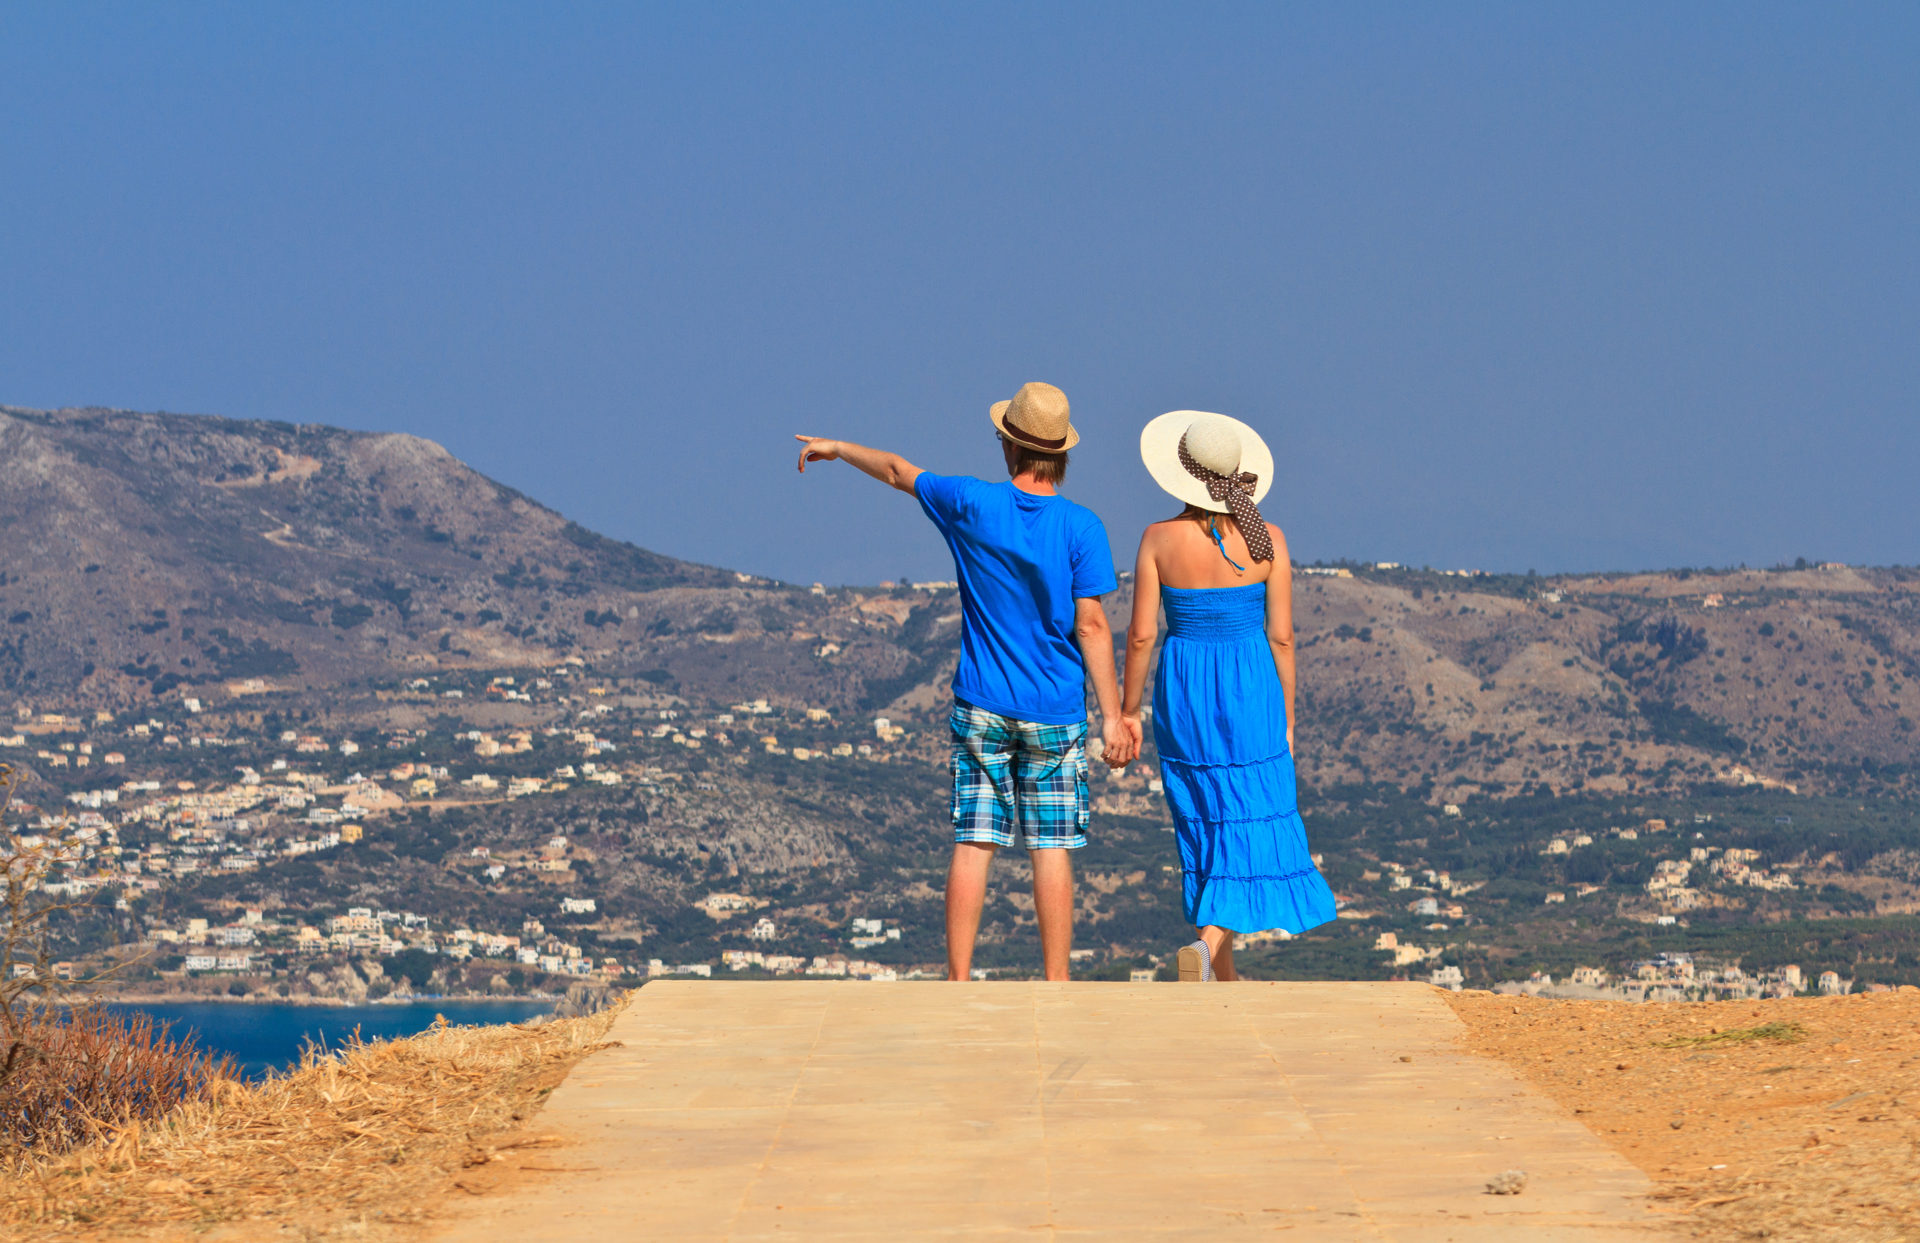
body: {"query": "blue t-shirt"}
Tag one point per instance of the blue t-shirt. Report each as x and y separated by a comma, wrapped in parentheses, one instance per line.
(1022, 560)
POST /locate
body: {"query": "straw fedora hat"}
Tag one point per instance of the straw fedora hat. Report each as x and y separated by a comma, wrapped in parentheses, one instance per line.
(1036, 418)
(1223, 445)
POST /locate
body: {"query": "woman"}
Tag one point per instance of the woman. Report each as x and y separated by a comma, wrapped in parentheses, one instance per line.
(1223, 694)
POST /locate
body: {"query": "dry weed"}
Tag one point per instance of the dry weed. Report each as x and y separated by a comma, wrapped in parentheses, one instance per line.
(1785, 1033)
(360, 1137)
(84, 1071)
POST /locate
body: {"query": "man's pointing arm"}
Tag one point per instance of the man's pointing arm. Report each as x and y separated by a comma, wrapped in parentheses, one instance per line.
(889, 468)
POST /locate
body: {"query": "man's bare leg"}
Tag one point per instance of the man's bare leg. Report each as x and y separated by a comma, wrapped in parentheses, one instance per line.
(966, 894)
(1053, 908)
(1220, 950)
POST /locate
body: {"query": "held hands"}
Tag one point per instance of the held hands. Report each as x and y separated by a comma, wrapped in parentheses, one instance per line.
(818, 449)
(1120, 738)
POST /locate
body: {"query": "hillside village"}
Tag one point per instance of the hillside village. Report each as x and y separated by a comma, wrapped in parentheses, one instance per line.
(141, 838)
(195, 828)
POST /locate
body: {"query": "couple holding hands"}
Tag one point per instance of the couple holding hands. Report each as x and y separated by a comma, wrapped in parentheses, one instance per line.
(1032, 567)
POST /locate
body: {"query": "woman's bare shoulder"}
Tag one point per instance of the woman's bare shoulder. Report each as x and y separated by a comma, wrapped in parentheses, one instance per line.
(1165, 529)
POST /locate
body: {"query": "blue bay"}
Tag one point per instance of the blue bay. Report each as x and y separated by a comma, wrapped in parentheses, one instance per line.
(264, 1037)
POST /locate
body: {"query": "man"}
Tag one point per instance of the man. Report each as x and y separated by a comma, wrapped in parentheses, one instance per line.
(1032, 567)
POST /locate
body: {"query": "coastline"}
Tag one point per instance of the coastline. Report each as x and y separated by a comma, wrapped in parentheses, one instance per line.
(419, 999)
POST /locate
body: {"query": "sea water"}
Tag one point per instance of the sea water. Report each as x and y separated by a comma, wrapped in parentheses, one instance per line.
(264, 1036)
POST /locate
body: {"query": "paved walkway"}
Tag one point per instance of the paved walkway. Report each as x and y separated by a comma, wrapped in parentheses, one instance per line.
(817, 1110)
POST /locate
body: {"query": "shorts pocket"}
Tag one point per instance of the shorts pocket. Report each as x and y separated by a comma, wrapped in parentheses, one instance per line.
(1082, 797)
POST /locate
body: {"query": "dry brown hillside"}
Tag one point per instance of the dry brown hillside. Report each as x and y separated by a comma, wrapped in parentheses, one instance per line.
(1803, 677)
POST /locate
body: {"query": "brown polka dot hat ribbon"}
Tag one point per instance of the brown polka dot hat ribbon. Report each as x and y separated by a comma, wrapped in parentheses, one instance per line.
(1236, 491)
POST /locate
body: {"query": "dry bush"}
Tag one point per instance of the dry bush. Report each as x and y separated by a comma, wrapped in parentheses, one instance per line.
(67, 1073)
(86, 1071)
(346, 1140)
(29, 985)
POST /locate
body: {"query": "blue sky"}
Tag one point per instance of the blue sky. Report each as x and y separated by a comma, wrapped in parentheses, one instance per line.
(1557, 287)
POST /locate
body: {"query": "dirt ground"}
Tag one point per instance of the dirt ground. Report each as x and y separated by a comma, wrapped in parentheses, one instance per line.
(1795, 1119)
(1790, 1120)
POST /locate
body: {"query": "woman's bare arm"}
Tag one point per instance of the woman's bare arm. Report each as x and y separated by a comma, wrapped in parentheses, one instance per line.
(1280, 621)
(1144, 627)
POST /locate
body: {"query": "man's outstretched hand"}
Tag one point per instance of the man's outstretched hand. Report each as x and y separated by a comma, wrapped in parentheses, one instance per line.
(889, 468)
(817, 449)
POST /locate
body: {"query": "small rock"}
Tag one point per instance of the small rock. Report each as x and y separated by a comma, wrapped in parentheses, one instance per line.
(1405, 1058)
(1507, 1183)
(1676, 1124)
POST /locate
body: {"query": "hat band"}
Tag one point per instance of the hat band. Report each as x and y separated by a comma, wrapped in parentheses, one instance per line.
(1236, 490)
(1033, 441)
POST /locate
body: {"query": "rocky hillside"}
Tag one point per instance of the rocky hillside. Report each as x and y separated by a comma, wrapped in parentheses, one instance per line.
(144, 552)
(163, 556)
(1804, 676)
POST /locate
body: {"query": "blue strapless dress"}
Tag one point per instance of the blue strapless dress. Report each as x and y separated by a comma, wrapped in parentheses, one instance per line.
(1220, 724)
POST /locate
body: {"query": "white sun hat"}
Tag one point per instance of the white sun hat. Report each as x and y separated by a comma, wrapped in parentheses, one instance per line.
(1223, 445)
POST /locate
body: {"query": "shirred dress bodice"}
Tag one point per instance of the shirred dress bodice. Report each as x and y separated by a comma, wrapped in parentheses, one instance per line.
(1228, 709)
(1215, 614)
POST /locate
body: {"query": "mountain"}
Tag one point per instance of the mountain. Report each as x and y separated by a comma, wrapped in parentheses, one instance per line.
(153, 556)
(149, 550)
(148, 554)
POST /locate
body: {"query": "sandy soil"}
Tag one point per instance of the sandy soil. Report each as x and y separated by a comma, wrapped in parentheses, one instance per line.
(1791, 1119)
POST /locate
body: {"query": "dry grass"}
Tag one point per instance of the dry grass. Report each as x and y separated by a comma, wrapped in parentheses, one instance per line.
(77, 1073)
(1785, 1033)
(1795, 1119)
(356, 1142)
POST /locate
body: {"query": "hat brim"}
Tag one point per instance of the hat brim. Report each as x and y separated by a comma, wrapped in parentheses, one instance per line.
(998, 413)
(1160, 450)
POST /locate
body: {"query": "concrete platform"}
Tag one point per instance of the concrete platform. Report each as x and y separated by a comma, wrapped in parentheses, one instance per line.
(828, 1110)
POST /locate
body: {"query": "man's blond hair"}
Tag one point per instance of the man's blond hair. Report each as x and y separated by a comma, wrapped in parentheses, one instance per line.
(1045, 467)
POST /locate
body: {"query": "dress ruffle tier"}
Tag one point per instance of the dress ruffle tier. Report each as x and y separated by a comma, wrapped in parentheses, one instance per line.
(1243, 868)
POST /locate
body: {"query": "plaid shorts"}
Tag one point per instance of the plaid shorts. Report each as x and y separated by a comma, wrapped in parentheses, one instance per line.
(1018, 778)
